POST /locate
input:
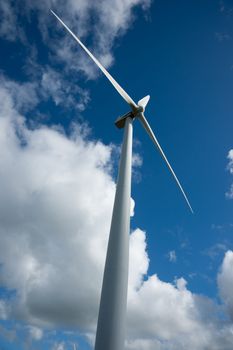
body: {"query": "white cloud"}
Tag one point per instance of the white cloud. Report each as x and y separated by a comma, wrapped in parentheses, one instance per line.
(50, 84)
(35, 333)
(136, 160)
(115, 17)
(61, 91)
(230, 164)
(162, 310)
(139, 260)
(24, 96)
(215, 250)
(60, 182)
(3, 310)
(9, 27)
(225, 282)
(112, 19)
(172, 256)
(165, 316)
(229, 194)
(59, 346)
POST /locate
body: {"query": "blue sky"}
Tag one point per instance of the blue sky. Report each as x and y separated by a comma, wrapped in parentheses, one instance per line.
(58, 163)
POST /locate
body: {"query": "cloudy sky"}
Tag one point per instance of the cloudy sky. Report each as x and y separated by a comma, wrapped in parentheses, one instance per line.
(59, 152)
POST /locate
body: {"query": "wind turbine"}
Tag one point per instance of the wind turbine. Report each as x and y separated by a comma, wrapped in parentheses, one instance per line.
(110, 333)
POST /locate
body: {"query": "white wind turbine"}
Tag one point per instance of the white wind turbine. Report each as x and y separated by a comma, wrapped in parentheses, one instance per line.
(110, 333)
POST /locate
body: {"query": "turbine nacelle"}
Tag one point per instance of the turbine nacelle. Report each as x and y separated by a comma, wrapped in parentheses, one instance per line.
(120, 122)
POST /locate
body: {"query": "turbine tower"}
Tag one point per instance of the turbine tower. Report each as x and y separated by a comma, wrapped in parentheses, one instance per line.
(111, 324)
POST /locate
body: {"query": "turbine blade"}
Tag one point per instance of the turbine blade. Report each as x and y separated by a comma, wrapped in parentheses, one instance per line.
(146, 125)
(120, 90)
(143, 102)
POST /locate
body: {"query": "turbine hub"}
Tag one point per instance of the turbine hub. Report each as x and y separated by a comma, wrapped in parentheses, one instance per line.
(140, 109)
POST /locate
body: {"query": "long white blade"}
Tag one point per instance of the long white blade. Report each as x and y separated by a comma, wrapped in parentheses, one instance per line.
(121, 91)
(143, 102)
(146, 125)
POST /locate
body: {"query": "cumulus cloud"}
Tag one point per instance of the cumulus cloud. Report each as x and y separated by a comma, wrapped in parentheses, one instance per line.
(138, 258)
(60, 182)
(166, 316)
(165, 312)
(225, 282)
(229, 194)
(50, 84)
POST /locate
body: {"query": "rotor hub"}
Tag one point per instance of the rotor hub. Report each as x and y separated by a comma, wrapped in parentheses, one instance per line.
(140, 109)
